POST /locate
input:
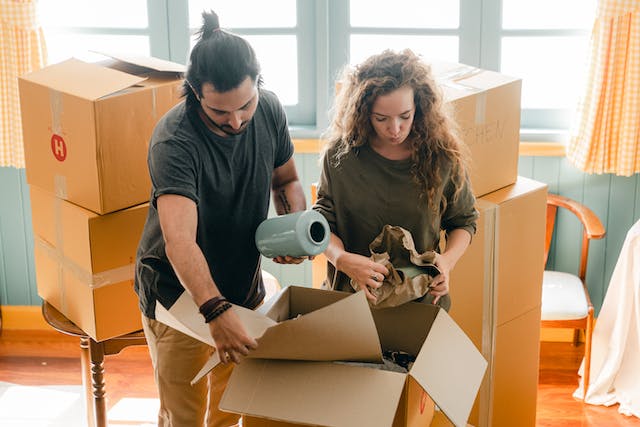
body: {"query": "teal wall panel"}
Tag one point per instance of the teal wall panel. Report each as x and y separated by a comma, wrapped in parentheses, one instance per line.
(18, 286)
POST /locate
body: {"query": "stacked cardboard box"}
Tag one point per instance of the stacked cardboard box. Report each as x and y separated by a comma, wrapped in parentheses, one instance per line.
(486, 108)
(86, 131)
(496, 290)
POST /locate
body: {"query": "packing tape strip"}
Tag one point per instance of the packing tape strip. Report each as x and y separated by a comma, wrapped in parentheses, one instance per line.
(60, 186)
(154, 104)
(452, 78)
(93, 281)
(481, 108)
(57, 223)
(55, 103)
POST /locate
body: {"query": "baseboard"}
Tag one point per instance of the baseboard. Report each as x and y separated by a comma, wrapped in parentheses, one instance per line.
(23, 317)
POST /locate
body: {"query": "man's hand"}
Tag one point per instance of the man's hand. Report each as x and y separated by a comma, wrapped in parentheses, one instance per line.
(231, 339)
(291, 260)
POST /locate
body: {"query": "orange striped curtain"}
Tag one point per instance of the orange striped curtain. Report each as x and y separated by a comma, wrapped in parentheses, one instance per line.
(606, 138)
(22, 49)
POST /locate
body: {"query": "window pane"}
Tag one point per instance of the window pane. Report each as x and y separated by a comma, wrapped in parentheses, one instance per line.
(430, 47)
(93, 13)
(405, 13)
(65, 46)
(552, 69)
(246, 13)
(547, 14)
(278, 57)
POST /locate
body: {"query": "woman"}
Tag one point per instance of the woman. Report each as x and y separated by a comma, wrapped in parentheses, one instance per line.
(393, 158)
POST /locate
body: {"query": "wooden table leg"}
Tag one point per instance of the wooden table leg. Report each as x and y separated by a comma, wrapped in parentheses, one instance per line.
(85, 361)
(97, 383)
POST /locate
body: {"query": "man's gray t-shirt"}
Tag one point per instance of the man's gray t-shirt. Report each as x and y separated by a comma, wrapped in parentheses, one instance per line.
(229, 179)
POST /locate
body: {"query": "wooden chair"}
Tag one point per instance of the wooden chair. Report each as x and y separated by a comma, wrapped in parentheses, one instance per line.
(92, 355)
(565, 296)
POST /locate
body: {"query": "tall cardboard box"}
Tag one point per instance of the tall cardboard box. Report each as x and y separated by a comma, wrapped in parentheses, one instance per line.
(498, 282)
(85, 263)
(486, 107)
(87, 127)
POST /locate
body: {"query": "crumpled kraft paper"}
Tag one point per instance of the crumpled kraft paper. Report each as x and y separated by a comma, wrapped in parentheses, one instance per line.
(410, 273)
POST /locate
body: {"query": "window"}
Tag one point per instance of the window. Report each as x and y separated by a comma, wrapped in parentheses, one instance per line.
(80, 28)
(303, 44)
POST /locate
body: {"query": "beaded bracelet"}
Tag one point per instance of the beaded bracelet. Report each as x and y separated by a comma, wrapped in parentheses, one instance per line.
(217, 312)
(209, 306)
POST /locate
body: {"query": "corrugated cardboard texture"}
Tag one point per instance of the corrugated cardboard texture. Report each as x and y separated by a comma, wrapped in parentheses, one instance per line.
(301, 392)
(500, 275)
(515, 383)
(87, 128)
(520, 231)
(84, 263)
(486, 107)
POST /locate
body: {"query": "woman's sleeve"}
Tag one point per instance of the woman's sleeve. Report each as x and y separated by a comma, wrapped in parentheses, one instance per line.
(325, 202)
(460, 212)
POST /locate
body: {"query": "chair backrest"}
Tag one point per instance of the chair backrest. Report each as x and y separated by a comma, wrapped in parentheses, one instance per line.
(592, 228)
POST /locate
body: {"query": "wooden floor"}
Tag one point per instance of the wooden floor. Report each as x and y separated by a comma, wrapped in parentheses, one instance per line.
(42, 358)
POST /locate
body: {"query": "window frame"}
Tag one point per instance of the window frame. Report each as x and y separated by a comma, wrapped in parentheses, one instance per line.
(323, 31)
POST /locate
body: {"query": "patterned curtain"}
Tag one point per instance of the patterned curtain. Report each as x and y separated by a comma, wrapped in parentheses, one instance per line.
(607, 134)
(22, 49)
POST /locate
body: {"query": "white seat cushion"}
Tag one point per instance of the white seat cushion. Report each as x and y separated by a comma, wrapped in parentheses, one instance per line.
(562, 297)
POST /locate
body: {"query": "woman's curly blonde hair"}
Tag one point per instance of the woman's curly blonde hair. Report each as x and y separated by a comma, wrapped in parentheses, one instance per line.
(435, 145)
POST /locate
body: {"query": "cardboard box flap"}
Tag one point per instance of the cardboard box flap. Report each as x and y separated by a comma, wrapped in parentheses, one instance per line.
(186, 318)
(156, 64)
(82, 79)
(344, 330)
(315, 393)
(452, 375)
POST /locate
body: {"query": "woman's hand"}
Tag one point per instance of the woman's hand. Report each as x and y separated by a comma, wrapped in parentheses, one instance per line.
(364, 272)
(440, 284)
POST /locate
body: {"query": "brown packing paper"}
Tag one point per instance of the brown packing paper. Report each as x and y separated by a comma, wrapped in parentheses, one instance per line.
(410, 273)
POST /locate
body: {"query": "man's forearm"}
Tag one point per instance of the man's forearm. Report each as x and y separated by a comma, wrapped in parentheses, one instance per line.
(192, 270)
(289, 198)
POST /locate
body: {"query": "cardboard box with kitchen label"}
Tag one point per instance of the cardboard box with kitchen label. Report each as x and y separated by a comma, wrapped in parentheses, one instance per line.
(87, 127)
(486, 108)
(298, 373)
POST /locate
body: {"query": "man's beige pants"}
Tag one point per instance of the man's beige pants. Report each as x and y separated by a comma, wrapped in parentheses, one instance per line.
(177, 358)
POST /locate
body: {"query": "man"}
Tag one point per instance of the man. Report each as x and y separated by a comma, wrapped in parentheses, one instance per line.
(213, 160)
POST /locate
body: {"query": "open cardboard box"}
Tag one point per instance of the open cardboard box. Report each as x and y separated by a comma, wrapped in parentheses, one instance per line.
(302, 332)
(87, 127)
